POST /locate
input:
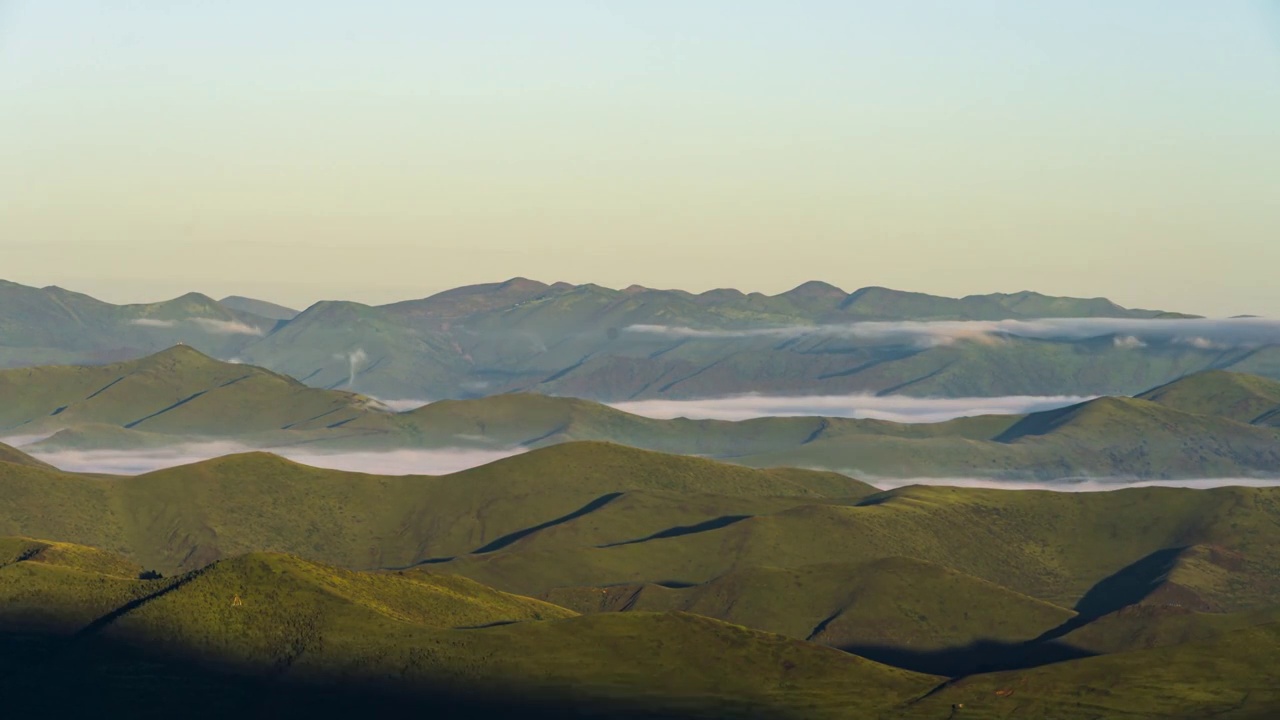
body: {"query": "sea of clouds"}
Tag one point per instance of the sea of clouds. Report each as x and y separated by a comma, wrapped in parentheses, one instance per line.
(440, 461)
(1205, 333)
(897, 408)
(1068, 484)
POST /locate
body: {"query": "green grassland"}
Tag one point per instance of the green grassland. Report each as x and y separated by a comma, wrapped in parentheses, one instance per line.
(182, 518)
(241, 633)
(648, 570)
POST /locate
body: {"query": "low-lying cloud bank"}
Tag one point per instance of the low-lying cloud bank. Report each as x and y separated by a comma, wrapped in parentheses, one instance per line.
(1204, 333)
(209, 325)
(1071, 484)
(897, 408)
(391, 462)
(399, 406)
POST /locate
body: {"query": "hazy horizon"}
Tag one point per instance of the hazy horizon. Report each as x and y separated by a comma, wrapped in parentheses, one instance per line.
(297, 152)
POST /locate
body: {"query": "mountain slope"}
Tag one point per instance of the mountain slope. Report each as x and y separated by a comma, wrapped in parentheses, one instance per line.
(179, 394)
(869, 608)
(54, 326)
(1240, 397)
(187, 516)
(178, 391)
(637, 343)
(271, 634)
(261, 308)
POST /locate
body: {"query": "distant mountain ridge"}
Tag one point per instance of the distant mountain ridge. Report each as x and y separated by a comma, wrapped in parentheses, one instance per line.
(640, 343)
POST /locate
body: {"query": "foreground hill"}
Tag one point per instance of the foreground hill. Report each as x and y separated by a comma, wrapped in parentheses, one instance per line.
(14, 456)
(272, 635)
(612, 345)
(943, 581)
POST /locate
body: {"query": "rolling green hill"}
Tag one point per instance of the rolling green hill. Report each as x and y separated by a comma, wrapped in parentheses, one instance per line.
(182, 518)
(267, 634)
(1029, 591)
(1232, 677)
(1243, 398)
(179, 391)
(864, 607)
(17, 457)
(181, 395)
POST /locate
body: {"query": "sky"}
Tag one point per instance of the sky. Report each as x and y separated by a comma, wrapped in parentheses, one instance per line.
(378, 151)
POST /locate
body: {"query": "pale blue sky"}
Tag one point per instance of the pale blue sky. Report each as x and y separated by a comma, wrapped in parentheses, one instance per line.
(382, 150)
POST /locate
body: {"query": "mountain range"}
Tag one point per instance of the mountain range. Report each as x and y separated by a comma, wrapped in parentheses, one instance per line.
(639, 343)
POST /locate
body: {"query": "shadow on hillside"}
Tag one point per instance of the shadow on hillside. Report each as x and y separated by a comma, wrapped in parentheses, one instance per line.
(510, 538)
(983, 656)
(1129, 586)
(56, 677)
(705, 526)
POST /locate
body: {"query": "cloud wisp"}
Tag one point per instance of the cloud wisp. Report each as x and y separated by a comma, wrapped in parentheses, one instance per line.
(440, 461)
(213, 326)
(896, 408)
(355, 361)
(1203, 333)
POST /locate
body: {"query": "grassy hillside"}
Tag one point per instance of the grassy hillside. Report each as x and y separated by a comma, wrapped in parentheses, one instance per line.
(871, 608)
(1240, 397)
(265, 634)
(271, 635)
(178, 391)
(1053, 546)
(184, 517)
(17, 457)
(1233, 677)
(180, 395)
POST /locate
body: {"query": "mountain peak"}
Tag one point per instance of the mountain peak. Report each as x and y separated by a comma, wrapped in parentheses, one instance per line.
(816, 288)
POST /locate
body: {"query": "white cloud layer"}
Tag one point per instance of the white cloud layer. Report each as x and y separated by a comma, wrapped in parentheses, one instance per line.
(1069, 485)
(1204, 333)
(897, 408)
(400, 406)
(393, 462)
(209, 325)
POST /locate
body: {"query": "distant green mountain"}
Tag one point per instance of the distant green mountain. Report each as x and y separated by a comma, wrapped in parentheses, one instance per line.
(258, 307)
(640, 343)
(178, 391)
(42, 326)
